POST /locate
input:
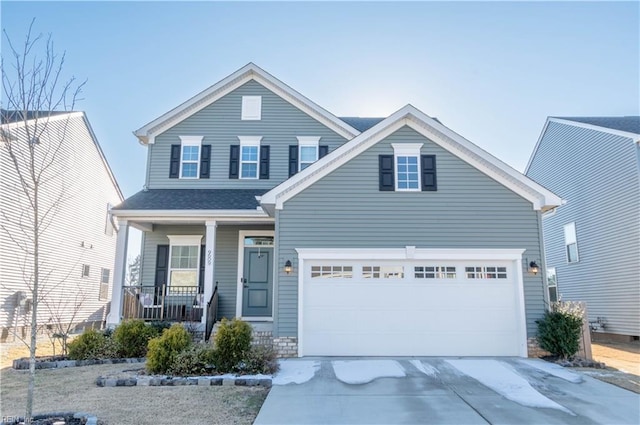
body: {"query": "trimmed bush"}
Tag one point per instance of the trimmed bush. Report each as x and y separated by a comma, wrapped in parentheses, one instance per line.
(232, 343)
(196, 360)
(90, 345)
(559, 330)
(163, 350)
(132, 338)
(260, 360)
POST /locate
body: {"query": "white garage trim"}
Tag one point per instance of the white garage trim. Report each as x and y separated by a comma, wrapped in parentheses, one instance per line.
(413, 253)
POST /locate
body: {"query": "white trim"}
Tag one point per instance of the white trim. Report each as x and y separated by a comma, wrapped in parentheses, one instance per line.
(257, 318)
(242, 234)
(411, 253)
(251, 108)
(633, 136)
(250, 140)
(184, 240)
(407, 149)
(541, 198)
(204, 214)
(191, 141)
(247, 73)
(119, 273)
(308, 140)
(209, 265)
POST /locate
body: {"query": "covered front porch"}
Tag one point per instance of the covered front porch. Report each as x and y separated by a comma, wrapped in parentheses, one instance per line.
(196, 268)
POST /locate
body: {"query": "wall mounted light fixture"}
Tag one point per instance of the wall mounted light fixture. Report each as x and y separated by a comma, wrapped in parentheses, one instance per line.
(533, 267)
(288, 267)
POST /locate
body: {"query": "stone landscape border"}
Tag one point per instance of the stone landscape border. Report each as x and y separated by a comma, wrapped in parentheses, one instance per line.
(88, 418)
(23, 363)
(169, 381)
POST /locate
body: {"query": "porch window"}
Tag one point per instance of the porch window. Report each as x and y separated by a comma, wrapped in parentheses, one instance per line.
(184, 258)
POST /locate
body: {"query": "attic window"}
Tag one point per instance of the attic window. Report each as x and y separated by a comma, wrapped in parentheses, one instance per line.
(251, 108)
(406, 164)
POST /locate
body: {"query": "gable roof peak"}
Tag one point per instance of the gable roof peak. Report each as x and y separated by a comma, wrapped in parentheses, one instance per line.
(250, 71)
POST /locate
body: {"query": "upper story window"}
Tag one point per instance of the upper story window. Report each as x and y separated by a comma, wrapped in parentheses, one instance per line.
(407, 170)
(406, 159)
(251, 108)
(190, 156)
(571, 242)
(249, 159)
(307, 151)
(190, 159)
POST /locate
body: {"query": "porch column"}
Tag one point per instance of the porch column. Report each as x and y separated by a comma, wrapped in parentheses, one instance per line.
(119, 271)
(209, 252)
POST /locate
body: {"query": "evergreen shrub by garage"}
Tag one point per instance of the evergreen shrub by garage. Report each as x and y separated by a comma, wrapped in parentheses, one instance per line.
(559, 330)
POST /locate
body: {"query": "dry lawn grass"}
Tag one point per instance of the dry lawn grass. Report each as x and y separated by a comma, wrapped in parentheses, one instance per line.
(74, 389)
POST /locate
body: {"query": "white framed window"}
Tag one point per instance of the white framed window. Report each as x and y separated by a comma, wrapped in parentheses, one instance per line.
(383, 272)
(407, 166)
(331, 272)
(249, 156)
(307, 151)
(486, 272)
(251, 108)
(434, 272)
(571, 243)
(552, 284)
(103, 295)
(190, 156)
(184, 260)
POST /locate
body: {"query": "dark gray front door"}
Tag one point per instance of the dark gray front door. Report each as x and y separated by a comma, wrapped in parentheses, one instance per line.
(257, 281)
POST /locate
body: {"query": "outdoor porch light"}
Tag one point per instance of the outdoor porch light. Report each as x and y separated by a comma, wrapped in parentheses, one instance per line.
(533, 267)
(287, 267)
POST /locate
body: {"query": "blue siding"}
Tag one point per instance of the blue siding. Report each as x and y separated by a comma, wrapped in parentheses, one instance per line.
(220, 124)
(597, 173)
(346, 209)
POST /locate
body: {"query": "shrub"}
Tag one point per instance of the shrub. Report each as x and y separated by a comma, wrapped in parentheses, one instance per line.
(259, 360)
(90, 345)
(163, 350)
(559, 330)
(160, 326)
(196, 360)
(232, 342)
(132, 337)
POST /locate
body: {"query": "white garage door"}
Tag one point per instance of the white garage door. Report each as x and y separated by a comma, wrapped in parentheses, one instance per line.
(412, 307)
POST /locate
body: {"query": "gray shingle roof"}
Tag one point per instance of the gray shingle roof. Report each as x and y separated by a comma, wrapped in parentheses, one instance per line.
(361, 124)
(10, 116)
(193, 199)
(629, 124)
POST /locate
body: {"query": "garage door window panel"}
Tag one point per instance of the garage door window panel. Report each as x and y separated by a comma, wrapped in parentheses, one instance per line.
(434, 272)
(383, 272)
(331, 272)
(486, 272)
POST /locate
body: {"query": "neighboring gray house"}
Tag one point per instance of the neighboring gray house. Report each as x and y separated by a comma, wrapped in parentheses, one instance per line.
(592, 243)
(77, 249)
(354, 236)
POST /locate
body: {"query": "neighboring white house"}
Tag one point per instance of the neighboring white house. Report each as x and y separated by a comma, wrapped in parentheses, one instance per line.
(78, 247)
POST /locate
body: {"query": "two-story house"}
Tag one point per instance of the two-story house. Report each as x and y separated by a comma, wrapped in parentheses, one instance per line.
(592, 243)
(77, 239)
(351, 236)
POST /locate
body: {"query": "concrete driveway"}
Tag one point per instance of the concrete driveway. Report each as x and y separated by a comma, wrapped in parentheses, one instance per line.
(442, 391)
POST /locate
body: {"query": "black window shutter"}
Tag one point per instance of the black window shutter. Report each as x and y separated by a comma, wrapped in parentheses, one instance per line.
(322, 150)
(387, 178)
(429, 182)
(205, 161)
(202, 266)
(174, 165)
(234, 161)
(264, 162)
(162, 265)
(293, 159)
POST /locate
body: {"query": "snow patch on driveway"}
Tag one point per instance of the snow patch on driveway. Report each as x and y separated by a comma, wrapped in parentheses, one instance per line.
(505, 381)
(424, 368)
(365, 371)
(554, 369)
(295, 371)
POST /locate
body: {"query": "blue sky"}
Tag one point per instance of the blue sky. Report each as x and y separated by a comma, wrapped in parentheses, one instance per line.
(491, 71)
